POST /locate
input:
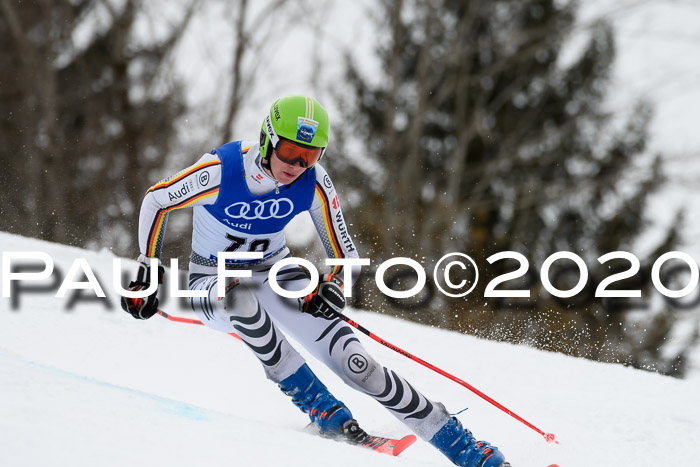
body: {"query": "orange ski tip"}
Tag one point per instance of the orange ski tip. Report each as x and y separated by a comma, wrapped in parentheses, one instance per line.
(403, 443)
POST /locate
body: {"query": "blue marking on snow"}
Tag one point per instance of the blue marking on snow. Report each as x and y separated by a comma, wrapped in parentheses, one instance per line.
(181, 409)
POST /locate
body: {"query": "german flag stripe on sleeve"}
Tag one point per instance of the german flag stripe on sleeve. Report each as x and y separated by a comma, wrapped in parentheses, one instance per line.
(246, 149)
(328, 222)
(157, 227)
(178, 177)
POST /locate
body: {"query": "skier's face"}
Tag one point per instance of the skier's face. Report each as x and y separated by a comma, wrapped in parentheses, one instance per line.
(283, 172)
(290, 161)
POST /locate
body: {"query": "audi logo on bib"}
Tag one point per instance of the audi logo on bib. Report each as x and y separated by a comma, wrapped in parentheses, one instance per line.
(262, 210)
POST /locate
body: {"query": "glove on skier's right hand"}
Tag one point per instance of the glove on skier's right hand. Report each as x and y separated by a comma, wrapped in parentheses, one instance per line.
(143, 308)
(327, 301)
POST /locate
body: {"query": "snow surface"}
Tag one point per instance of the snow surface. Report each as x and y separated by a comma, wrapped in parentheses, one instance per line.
(90, 386)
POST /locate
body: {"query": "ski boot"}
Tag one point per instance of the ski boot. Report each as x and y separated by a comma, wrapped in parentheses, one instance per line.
(458, 444)
(314, 399)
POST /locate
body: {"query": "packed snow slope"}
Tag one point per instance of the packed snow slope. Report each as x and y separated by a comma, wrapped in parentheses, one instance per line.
(87, 385)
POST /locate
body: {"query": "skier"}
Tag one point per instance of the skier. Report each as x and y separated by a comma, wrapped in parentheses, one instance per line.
(243, 194)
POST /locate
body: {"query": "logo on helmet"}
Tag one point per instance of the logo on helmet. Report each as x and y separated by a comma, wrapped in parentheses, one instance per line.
(306, 129)
(270, 128)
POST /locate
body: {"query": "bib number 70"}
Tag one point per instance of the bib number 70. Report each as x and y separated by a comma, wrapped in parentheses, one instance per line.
(260, 244)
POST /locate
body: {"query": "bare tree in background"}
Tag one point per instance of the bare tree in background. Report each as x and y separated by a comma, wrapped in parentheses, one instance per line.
(83, 124)
(481, 143)
(254, 34)
(91, 111)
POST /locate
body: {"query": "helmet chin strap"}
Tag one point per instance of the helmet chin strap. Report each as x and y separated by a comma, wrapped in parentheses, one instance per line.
(272, 143)
(266, 165)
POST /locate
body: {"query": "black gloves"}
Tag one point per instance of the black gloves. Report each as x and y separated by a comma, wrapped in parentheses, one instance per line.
(327, 301)
(143, 308)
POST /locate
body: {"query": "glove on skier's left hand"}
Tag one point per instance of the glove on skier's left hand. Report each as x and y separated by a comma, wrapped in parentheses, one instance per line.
(143, 308)
(327, 300)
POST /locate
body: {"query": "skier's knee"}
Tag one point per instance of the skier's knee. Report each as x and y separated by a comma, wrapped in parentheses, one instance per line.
(240, 300)
(362, 370)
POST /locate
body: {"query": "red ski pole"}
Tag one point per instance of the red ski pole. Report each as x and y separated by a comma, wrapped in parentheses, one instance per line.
(190, 321)
(549, 437)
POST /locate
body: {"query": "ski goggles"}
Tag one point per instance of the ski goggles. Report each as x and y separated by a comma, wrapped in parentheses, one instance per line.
(292, 153)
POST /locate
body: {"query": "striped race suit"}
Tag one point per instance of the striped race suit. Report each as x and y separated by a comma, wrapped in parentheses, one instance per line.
(238, 207)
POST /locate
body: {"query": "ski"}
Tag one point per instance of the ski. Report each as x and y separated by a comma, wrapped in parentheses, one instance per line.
(390, 446)
(380, 444)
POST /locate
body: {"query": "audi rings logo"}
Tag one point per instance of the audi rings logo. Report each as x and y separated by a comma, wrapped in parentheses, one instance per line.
(261, 210)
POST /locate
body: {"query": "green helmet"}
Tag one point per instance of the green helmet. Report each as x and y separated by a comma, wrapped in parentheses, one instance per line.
(300, 119)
